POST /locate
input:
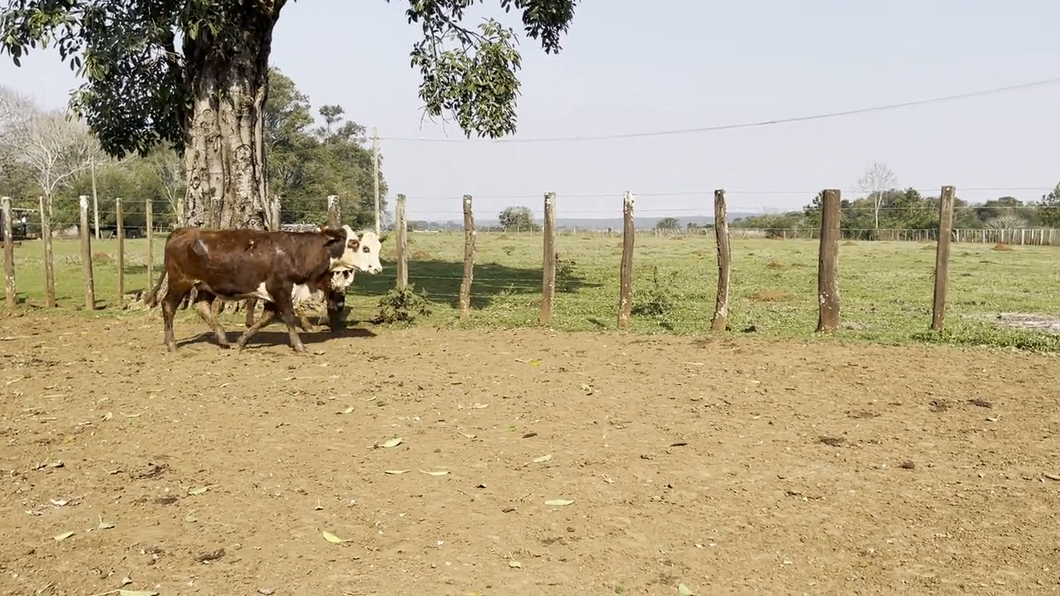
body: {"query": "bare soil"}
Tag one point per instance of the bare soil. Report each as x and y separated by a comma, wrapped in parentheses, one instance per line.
(728, 465)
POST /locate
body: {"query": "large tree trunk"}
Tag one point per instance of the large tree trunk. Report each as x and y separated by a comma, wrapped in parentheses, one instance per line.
(224, 156)
(224, 146)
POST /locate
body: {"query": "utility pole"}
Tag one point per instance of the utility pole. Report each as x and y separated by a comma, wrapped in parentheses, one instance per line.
(375, 172)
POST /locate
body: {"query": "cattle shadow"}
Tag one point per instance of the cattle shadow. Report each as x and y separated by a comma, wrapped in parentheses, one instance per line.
(275, 336)
(441, 281)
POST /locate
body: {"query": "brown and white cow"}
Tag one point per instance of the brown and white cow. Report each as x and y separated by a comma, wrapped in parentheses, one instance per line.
(329, 290)
(245, 263)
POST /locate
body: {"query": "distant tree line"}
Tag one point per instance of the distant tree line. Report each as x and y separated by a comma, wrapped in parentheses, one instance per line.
(908, 210)
(41, 153)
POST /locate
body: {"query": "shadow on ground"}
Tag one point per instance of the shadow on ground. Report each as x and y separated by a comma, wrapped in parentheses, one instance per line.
(274, 336)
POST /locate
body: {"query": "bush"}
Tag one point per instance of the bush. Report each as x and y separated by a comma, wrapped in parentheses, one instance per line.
(402, 306)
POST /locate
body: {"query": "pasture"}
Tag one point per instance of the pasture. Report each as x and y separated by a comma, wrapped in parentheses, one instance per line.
(886, 287)
(533, 461)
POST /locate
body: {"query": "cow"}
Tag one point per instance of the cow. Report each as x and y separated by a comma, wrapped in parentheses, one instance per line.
(329, 290)
(244, 263)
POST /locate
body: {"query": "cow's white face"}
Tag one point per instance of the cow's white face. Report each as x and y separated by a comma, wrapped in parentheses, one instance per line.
(362, 252)
(342, 279)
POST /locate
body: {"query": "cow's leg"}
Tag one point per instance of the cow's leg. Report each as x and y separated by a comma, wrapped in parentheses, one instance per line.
(175, 294)
(267, 316)
(209, 308)
(336, 305)
(285, 306)
(252, 303)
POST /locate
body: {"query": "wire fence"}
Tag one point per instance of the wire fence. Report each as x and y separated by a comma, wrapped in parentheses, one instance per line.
(474, 262)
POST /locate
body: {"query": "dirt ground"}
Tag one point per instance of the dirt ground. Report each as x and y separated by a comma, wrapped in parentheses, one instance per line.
(729, 466)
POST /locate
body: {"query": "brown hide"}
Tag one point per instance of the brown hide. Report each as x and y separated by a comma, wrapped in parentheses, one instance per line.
(233, 264)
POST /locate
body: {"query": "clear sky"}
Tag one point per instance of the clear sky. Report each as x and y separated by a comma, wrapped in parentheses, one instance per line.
(636, 66)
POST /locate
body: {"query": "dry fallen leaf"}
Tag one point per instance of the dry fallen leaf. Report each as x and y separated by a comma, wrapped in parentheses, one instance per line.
(333, 538)
(395, 472)
(390, 443)
(559, 502)
(515, 564)
(683, 590)
(468, 436)
(104, 525)
(190, 517)
(63, 536)
(542, 459)
(136, 593)
(438, 473)
(200, 490)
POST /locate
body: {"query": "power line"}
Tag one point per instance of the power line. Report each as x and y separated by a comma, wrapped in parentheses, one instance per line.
(710, 193)
(685, 131)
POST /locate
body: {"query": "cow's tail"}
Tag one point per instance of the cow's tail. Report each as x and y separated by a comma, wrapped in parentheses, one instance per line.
(151, 298)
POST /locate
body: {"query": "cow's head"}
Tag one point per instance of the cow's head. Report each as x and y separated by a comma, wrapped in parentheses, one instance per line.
(359, 252)
(342, 279)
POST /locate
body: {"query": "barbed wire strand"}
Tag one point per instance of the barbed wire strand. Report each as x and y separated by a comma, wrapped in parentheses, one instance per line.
(723, 127)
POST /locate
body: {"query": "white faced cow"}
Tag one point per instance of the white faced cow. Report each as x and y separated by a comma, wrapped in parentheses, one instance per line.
(266, 265)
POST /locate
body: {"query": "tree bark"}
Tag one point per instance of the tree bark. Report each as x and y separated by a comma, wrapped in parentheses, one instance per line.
(224, 156)
(224, 141)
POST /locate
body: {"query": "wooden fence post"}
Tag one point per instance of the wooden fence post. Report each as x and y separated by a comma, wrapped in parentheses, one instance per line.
(721, 232)
(120, 224)
(274, 211)
(469, 260)
(333, 211)
(828, 264)
(625, 291)
(150, 223)
(86, 256)
(49, 263)
(9, 255)
(402, 244)
(942, 257)
(548, 282)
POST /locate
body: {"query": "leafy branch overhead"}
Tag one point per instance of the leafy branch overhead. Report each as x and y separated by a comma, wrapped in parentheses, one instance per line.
(139, 86)
(476, 80)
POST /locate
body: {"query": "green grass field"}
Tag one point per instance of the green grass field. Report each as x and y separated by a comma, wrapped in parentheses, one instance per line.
(886, 287)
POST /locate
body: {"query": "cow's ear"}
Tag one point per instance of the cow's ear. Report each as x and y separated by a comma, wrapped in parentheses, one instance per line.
(335, 244)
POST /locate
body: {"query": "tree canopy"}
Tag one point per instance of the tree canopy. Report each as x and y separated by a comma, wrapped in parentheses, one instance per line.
(517, 219)
(143, 59)
(305, 162)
